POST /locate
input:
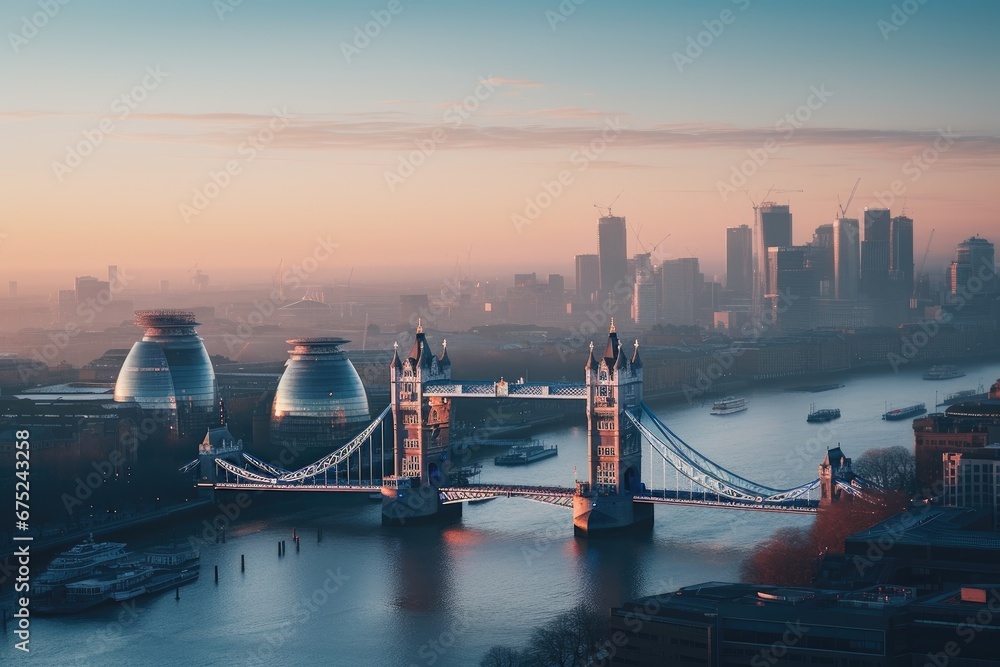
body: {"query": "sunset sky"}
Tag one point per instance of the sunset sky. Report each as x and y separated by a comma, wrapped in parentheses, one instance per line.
(202, 81)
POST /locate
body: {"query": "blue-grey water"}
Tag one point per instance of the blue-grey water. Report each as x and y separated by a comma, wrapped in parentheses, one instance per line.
(367, 595)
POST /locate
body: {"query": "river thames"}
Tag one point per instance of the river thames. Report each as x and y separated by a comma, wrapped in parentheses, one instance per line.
(368, 595)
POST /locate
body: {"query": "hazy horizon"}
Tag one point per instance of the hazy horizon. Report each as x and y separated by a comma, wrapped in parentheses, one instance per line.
(497, 102)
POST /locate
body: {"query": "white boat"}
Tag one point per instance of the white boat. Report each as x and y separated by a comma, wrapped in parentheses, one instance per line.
(80, 561)
(729, 405)
(945, 372)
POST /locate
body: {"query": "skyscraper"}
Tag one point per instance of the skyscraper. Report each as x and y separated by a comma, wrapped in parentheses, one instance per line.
(775, 225)
(874, 282)
(819, 255)
(846, 258)
(790, 275)
(901, 254)
(775, 232)
(644, 300)
(739, 260)
(113, 277)
(974, 258)
(588, 276)
(611, 243)
(681, 285)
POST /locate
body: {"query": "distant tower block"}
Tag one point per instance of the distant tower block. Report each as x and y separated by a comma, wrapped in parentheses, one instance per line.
(420, 431)
(605, 504)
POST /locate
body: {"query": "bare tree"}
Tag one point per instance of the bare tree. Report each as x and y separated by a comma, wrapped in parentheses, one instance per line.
(502, 656)
(892, 468)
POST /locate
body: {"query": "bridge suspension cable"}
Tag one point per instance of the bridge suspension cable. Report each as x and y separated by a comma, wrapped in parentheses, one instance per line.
(709, 466)
(692, 467)
(266, 467)
(334, 458)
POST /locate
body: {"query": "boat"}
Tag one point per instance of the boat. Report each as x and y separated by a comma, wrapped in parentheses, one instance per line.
(729, 405)
(822, 415)
(905, 413)
(945, 372)
(173, 558)
(82, 560)
(964, 396)
(114, 577)
(116, 583)
(519, 456)
(816, 388)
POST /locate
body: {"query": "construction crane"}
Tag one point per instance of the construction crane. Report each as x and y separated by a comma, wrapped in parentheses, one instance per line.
(649, 251)
(923, 265)
(843, 209)
(608, 207)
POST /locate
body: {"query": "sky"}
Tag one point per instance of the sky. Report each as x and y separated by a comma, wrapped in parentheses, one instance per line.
(400, 138)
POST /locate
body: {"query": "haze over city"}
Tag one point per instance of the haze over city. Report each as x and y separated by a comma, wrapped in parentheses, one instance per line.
(704, 295)
(554, 80)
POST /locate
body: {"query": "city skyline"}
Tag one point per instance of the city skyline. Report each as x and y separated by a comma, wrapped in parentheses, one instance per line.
(661, 128)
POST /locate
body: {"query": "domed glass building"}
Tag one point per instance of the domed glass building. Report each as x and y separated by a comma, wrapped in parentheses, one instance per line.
(169, 370)
(320, 400)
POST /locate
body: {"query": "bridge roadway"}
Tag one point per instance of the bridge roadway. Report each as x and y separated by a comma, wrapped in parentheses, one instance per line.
(459, 389)
(552, 495)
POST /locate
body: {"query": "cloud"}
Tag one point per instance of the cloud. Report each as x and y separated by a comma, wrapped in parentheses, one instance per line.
(395, 131)
(518, 83)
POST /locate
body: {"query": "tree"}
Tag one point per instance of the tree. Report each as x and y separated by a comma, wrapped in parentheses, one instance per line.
(891, 468)
(502, 656)
(571, 639)
(784, 559)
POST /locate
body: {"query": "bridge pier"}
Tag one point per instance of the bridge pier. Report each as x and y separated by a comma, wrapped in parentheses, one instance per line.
(403, 505)
(598, 514)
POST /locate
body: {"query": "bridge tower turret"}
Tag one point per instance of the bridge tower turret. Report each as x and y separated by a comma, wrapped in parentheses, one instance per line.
(420, 434)
(605, 503)
(835, 468)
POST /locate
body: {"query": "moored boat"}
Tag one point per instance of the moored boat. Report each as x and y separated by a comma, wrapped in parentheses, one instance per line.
(80, 561)
(905, 413)
(519, 456)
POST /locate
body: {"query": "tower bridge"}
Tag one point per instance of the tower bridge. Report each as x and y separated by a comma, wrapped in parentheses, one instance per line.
(421, 485)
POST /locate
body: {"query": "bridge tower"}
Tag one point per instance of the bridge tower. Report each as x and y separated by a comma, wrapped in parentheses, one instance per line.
(604, 503)
(834, 468)
(420, 436)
